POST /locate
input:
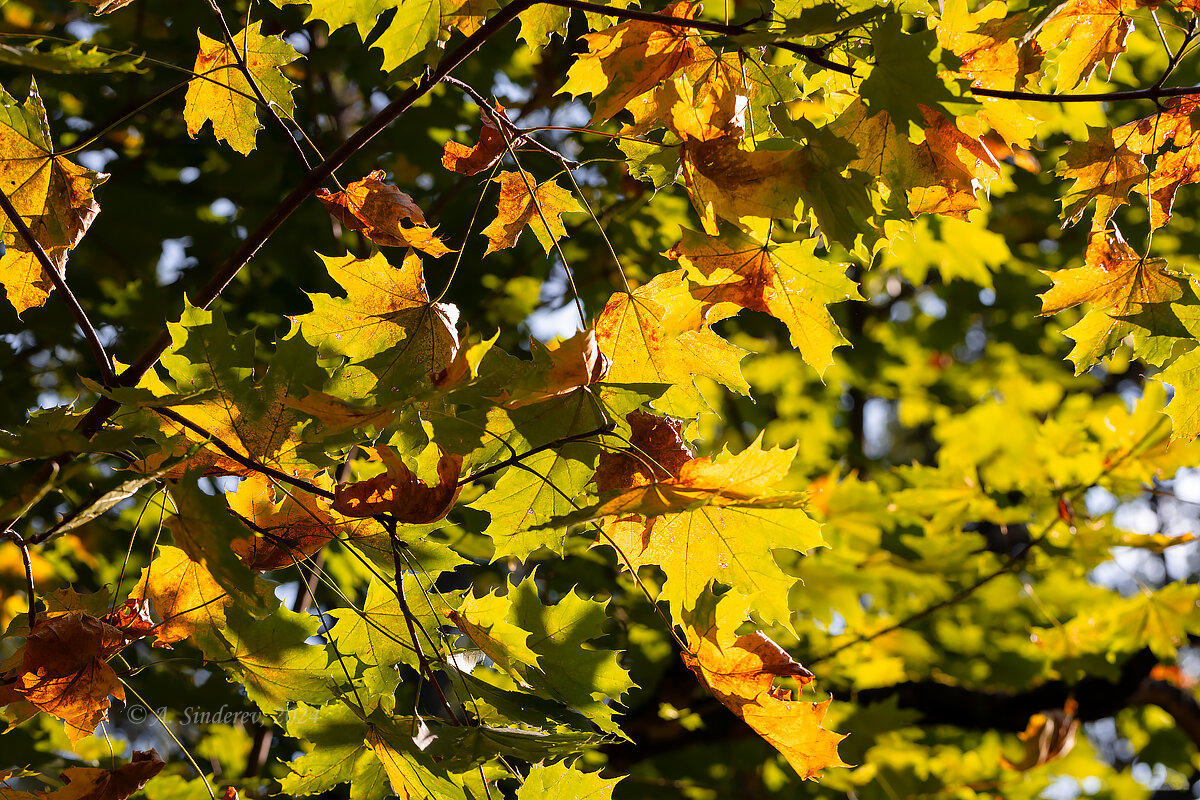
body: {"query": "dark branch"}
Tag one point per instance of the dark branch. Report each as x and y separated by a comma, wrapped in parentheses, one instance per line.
(1153, 93)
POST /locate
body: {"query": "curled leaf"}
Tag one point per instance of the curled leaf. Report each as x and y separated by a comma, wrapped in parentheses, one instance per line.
(88, 783)
(399, 492)
(475, 159)
(384, 214)
(1048, 736)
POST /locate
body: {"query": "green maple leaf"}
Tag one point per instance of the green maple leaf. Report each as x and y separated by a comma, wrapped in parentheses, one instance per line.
(362, 14)
(377, 635)
(540, 23)
(560, 782)
(905, 74)
(570, 671)
(1184, 409)
(271, 658)
(224, 96)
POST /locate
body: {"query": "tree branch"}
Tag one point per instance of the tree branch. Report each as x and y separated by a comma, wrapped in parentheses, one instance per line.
(1153, 93)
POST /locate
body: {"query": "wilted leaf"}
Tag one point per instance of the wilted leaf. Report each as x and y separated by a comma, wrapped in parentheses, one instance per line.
(384, 214)
(475, 159)
(1047, 736)
(400, 493)
(88, 783)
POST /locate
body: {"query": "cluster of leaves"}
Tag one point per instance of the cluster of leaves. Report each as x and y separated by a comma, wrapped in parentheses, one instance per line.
(435, 563)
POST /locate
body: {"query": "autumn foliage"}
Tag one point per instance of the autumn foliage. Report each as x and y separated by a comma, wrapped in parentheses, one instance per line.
(544, 399)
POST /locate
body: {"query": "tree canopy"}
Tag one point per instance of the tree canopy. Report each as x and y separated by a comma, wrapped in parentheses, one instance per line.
(468, 399)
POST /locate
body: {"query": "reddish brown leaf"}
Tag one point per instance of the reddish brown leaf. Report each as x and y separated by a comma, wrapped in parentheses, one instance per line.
(473, 160)
(87, 783)
(384, 214)
(656, 451)
(399, 492)
(65, 671)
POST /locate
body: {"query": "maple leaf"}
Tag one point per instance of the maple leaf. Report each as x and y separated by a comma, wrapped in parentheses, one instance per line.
(224, 96)
(787, 281)
(64, 670)
(996, 53)
(187, 598)
(633, 57)
(728, 182)
(726, 538)
(1178, 123)
(400, 493)
(285, 532)
(564, 365)
(656, 451)
(904, 75)
(740, 672)
(52, 195)
(523, 202)
(1094, 32)
(938, 175)
(1114, 278)
(89, 783)
(559, 782)
(385, 310)
(655, 334)
(1104, 172)
(380, 211)
(480, 156)
(107, 7)
(483, 621)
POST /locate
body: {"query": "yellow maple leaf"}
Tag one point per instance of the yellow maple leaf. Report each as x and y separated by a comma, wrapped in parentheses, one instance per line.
(629, 59)
(1104, 171)
(1094, 32)
(523, 202)
(224, 96)
(1177, 124)
(1114, 277)
(184, 594)
(52, 195)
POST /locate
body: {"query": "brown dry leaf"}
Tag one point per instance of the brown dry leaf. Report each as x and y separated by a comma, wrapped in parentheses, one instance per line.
(632, 58)
(1178, 124)
(52, 195)
(1047, 736)
(131, 618)
(1114, 277)
(540, 209)
(399, 492)
(64, 670)
(740, 672)
(656, 451)
(384, 214)
(185, 595)
(475, 159)
(88, 783)
(1103, 171)
(288, 531)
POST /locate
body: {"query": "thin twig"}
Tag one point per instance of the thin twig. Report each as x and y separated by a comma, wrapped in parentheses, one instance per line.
(60, 283)
(30, 588)
(517, 458)
(523, 136)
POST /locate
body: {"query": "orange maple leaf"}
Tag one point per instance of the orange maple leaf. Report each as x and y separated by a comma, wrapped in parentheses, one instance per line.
(289, 531)
(475, 159)
(90, 783)
(523, 202)
(1094, 32)
(1178, 123)
(740, 671)
(399, 492)
(573, 363)
(1103, 171)
(632, 58)
(1047, 736)
(384, 214)
(184, 594)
